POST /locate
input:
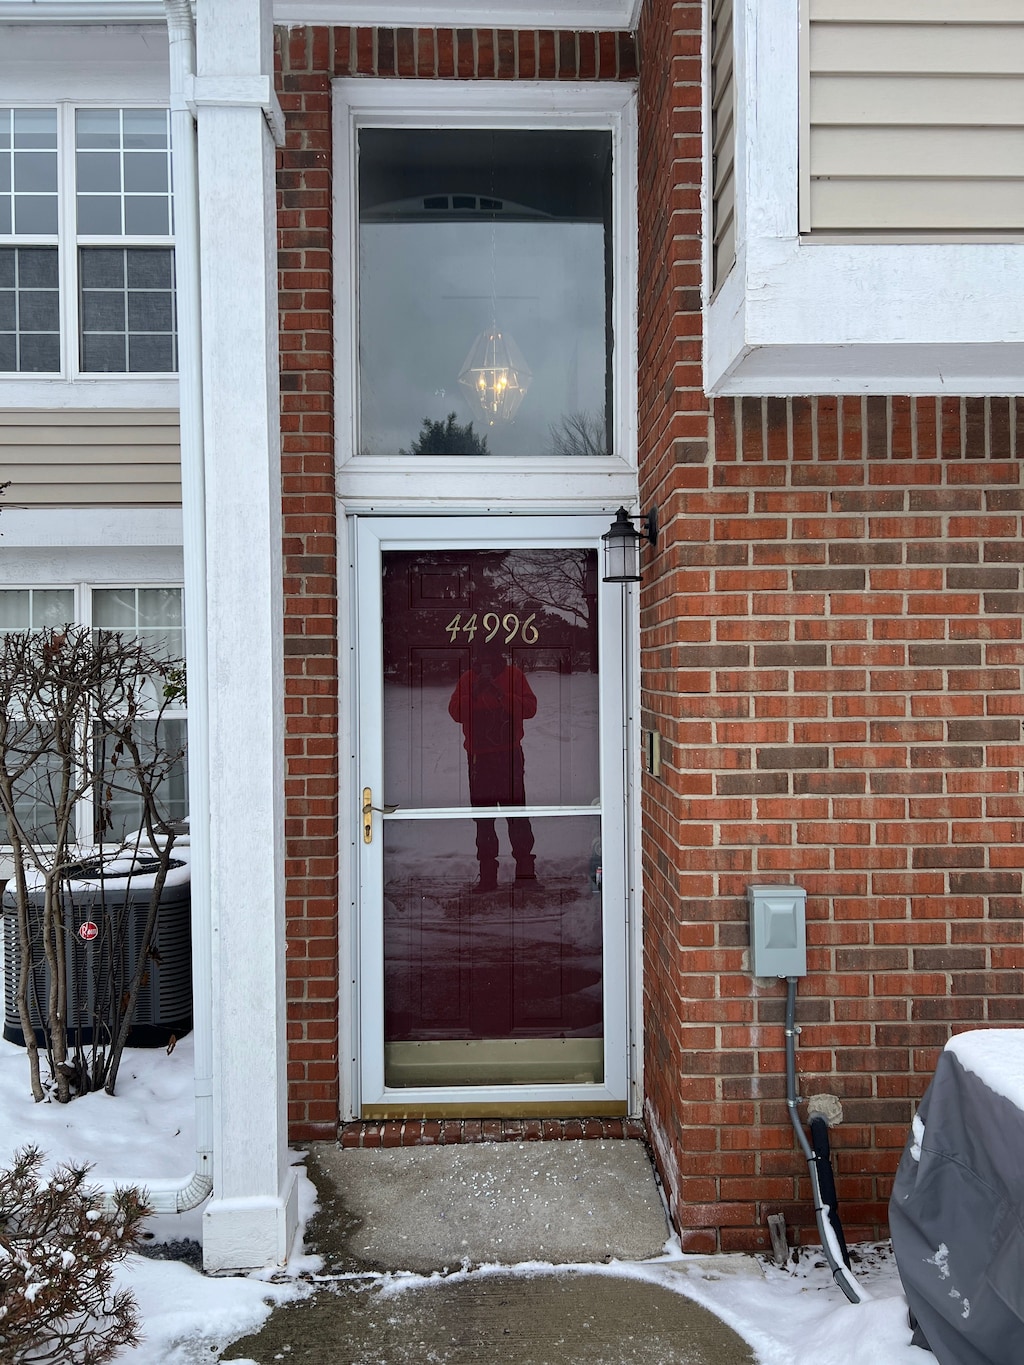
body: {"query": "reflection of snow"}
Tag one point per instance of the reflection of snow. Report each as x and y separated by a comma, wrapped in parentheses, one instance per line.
(425, 762)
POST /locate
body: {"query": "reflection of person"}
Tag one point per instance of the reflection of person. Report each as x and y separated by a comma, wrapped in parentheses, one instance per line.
(491, 701)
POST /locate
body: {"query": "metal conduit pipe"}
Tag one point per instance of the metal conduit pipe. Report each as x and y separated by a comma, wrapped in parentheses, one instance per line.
(855, 1292)
(167, 1196)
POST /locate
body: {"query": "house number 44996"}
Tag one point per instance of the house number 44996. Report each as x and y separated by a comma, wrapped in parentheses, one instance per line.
(490, 624)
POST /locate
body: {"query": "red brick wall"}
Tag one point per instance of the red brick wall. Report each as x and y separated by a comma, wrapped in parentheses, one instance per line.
(308, 59)
(832, 651)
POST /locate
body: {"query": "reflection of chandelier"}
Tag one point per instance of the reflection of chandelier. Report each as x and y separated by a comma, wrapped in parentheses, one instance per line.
(496, 375)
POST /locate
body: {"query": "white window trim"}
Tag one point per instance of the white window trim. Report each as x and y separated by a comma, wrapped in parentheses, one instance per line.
(82, 591)
(802, 315)
(121, 65)
(468, 481)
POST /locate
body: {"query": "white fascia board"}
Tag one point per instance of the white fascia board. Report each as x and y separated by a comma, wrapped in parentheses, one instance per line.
(110, 527)
(570, 14)
(44, 63)
(799, 316)
(82, 11)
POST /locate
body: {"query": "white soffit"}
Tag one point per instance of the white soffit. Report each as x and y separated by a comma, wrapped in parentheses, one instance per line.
(512, 14)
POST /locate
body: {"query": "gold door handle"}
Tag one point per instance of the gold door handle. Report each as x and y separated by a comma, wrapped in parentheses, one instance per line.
(368, 809)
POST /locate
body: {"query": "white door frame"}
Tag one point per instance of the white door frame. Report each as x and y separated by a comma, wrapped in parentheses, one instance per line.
(371, 536)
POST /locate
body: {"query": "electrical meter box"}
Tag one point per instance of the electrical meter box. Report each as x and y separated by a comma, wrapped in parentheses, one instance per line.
(778, 941)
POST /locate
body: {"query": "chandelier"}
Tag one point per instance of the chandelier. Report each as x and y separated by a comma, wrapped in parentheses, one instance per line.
(495, 376)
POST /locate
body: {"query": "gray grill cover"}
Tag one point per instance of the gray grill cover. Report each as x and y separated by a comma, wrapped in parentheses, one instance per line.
(957, 1221)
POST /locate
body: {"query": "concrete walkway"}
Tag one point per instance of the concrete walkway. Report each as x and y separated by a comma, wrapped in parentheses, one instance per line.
(447, 1211)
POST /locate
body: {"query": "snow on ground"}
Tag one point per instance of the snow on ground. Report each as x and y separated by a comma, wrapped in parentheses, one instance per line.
(791, 1316)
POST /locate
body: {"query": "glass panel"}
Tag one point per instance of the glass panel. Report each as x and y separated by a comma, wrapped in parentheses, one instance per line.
(29, 311)
(484, 287)
(146, 215)
(490, 678)
(496, 987)
(103, 354)
(35, 215)
(153, 615)
(99, 172)
(14, 609)
(145, 128)
(99, 215)
(118, 811)
(40, 353)
(141, 310)
(123, 168)
(98, 127)
(52, 607)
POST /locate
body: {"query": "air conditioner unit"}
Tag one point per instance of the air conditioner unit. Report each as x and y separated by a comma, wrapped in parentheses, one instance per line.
(101, 914)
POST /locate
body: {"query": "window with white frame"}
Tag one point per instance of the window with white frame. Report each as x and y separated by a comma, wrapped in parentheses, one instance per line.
(152, 615)
(86, 244)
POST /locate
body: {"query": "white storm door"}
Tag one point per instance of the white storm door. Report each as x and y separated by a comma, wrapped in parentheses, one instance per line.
(492, 796)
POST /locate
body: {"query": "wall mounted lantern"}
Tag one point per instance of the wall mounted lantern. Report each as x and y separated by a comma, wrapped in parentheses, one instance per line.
(622, 545)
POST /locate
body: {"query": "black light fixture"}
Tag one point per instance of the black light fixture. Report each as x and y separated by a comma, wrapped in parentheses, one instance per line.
(622, 545)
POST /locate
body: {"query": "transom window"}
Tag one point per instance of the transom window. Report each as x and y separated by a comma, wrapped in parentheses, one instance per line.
(485, 291)
(86, 251)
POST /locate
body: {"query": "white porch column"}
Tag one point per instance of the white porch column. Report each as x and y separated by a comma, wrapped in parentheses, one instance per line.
(251, 1219)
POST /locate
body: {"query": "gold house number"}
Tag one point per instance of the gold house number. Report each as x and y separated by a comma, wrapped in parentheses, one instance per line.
(491, 624)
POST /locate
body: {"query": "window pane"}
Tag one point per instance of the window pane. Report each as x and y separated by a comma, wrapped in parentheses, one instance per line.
(153, 615)
(151, 355)
(102, 312)
(146, 215)
(36, 608)
(99, 172)
(101, 268)
(124, 154)
(472, 239)
(150, 269)
(35, 215)
(103, 354)
(37, 267)
(114, 608)
(98, 127)
(29, 312)
(119, 811)
(126, 303)
(145, 172)
(35, 172)
(5, 214)
(146, 128)
(99, 215)
(39, 311)
(14, 609)
(35, 128)
(40, 353)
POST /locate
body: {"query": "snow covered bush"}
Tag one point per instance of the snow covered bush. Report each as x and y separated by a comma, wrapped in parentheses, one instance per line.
(58, 1245)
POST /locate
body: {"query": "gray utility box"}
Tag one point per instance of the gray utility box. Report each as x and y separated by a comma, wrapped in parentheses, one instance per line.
(778, 939)
(164, 1007)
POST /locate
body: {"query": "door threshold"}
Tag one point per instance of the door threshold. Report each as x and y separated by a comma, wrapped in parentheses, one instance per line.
(596, 1109)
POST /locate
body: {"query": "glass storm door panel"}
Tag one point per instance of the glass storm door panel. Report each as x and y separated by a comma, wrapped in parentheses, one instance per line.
(491, 936)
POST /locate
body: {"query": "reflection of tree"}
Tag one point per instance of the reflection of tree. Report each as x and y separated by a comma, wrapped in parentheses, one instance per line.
(579, 433)
(447, 438)
(561, 581)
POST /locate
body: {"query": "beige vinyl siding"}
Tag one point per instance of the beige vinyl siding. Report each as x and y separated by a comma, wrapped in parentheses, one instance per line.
(914, 117)
(95, 458)
(723, 142)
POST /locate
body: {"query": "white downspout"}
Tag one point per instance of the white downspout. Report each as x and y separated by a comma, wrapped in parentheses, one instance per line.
(167, 1196)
